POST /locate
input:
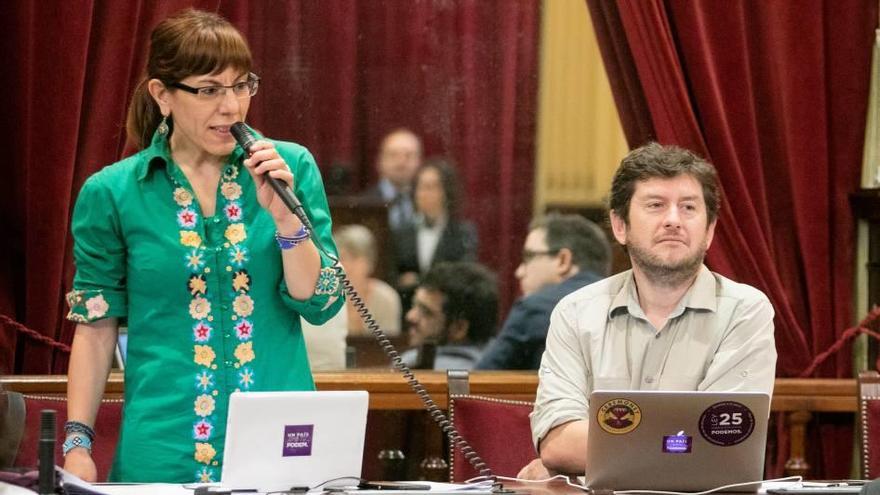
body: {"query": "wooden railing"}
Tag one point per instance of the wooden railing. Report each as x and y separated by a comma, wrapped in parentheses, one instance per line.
(797, 398)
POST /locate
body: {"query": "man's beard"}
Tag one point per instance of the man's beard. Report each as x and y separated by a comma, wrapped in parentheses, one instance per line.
(663, 273)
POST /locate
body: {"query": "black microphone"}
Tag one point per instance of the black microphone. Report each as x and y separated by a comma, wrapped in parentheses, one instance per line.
(46, 451)
(246, 138)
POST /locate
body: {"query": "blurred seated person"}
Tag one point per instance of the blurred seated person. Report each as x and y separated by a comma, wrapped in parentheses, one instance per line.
(325, 343)
(436, 234)
(455, 308)
(400, 155)
(562, 253)
(357, 252)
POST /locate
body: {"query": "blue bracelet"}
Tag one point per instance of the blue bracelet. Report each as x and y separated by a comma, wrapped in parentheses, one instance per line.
(76, 440)
(293, 241)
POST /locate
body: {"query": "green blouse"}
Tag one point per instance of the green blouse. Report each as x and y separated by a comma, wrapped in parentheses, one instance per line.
(204, 298)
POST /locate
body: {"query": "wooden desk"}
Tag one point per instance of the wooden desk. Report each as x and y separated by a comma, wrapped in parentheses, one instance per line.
(798, 398)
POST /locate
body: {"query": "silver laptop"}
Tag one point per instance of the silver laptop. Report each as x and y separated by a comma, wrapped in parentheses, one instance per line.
(278, 440)
(679, 441)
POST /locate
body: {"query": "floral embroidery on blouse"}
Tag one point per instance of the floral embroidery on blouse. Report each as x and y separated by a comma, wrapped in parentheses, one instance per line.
(197, 284)
(183, 197)
(241, 281)
(235, 233)
(244, 352)
(186, 218)
(232, 211)
(202, 430)
(202, 332)
(204, 405)
(200, 308)
(97, 306)
(205, 475)
(328, 282)
(204, 452)
(245, 378)
(204, 381)
(204, 355)
(83, 309)
(190, 238)
(243, 305)
(230, 190)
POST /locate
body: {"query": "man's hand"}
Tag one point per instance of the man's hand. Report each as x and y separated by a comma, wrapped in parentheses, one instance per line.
(534, 470)
(79, 462)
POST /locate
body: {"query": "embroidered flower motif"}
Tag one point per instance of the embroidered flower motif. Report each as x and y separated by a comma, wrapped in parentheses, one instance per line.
(244, 329)
(190, 238)
(204, 405)
(97, 306)
(230, 172)
(194, 259)
(75, 297)
(238, 256)
(186, 218)
(245, 352)
(205, 475)
(230, 190)
(202, 331)
(241, 281)
(245, 378)
(183, 197)
(328, 283)
(197, 285)
(233, 211)
(202, 429)
(203, 354)
(204, 380)
(204, 453)
(243, 305)
(199, 308)
(235, 233)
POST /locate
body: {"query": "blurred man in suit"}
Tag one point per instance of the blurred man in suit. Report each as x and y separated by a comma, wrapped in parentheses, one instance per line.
(562, 253)
(400, 155)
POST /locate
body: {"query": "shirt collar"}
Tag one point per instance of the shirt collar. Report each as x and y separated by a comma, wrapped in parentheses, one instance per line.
(701, 295)
(158, 154)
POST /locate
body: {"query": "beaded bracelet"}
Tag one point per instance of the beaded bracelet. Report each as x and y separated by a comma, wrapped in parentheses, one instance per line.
(293, 241)
(72, 427)
(76, 440)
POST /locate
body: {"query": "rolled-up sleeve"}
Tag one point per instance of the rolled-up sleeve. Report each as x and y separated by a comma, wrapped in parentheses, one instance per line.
(309, 188)
(99, 286)
(746, 357)
(564, 376)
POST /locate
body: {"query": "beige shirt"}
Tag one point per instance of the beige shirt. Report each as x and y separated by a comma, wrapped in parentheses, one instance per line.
(719, 337)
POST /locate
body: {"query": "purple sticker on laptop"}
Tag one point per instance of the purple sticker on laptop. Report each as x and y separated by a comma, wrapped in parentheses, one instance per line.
(727, 423)
(297, 440)
(677, 444)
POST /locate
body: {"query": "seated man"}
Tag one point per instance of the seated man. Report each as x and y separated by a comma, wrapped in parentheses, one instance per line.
(667, 324)
(562, 253)
(456, 308)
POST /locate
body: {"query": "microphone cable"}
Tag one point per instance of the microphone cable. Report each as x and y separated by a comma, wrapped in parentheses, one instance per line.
(245, 138)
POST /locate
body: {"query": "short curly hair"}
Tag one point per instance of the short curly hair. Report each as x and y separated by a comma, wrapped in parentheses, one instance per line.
(656, 160)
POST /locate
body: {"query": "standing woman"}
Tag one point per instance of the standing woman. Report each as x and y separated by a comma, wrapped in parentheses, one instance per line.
(187, 244)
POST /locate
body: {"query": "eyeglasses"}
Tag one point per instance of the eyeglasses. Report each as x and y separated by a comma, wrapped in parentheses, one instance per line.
(244, 89)
(529, 255)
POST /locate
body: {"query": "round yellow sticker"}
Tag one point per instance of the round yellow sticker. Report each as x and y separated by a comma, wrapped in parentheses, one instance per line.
(619, 416)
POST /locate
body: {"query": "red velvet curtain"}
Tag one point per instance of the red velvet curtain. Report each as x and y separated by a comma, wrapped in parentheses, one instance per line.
(336, 76)
(775, 95)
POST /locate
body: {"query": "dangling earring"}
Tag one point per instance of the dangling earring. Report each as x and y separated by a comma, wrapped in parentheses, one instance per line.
(163, 126)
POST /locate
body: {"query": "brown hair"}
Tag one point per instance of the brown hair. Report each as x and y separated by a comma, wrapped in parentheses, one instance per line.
(192, 42)
(656, 160)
